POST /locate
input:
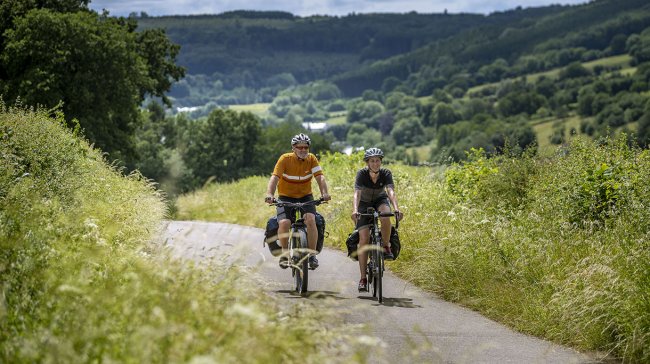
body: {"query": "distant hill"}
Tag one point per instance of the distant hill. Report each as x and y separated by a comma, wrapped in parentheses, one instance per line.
(260, 53)
(537, 32)
(253, 49)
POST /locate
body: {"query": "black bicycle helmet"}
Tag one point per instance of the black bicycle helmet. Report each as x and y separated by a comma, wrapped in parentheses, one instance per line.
(300, 139)
(373, 152)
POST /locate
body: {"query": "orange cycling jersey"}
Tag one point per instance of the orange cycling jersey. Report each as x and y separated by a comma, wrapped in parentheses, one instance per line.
(296, 174)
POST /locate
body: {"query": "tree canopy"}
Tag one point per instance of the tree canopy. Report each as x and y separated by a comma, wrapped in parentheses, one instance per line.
(97, 69)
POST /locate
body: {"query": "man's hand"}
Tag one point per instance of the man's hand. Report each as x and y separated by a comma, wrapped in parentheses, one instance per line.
(399, 215)
(355, 216)
(268, 199)
(326, 196)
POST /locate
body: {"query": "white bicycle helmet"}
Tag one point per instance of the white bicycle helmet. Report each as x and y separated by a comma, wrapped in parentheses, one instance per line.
(373, 152)
(300, 139)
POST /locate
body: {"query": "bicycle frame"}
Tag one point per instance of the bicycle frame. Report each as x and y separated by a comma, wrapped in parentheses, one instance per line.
(375, 267)
(299, 251)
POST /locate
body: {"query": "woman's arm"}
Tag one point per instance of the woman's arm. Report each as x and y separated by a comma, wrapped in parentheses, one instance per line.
(392, 197)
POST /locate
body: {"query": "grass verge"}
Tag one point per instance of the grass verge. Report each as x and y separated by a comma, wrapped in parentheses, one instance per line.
(553, 245)
(83, 280)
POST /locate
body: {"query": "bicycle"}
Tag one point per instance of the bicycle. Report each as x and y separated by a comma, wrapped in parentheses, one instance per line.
(299, 251)
(375, 267)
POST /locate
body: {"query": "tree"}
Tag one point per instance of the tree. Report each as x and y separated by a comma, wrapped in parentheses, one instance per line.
(643, 130)
(520, 102)
(13, 9)
(366, 112)
(99, 68)
(408, 131)
(223, 146)
(361, 136)
(574, 70)
(442, 114)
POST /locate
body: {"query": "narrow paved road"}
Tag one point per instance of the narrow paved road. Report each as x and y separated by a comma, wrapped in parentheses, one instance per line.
(415, 325)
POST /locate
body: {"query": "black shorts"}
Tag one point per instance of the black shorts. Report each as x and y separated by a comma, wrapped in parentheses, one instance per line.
(366, 221)
(289, 212)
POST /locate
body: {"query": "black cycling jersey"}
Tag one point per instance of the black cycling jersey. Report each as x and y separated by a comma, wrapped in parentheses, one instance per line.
(371, 191)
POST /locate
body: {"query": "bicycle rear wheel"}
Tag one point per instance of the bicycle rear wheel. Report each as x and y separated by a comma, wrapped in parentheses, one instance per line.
(301, 262)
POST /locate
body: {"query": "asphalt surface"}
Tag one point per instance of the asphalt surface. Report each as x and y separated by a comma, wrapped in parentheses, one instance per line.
(414, 326)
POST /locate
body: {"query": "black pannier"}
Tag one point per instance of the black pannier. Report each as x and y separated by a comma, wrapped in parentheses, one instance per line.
(320, 226)
(352, 243)
(271, 234)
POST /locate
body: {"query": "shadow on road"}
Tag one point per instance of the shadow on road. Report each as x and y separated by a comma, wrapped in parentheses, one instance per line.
(313, 294)
(393, 302)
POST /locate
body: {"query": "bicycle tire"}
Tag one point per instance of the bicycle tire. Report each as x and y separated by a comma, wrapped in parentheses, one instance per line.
(301, 266)
(373, 274)
(380, 275)
(377, 274)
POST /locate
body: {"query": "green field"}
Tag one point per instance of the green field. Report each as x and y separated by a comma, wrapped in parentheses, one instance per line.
(621, 61)
(545, 129)
(260, 109)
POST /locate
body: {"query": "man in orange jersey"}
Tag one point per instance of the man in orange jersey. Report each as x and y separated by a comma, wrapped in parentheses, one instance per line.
(292, 176)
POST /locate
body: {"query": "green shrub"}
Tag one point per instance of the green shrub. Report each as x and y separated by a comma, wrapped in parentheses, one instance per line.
(463, 179)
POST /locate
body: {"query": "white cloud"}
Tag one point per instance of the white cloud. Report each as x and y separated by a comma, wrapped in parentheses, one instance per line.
(311, 7)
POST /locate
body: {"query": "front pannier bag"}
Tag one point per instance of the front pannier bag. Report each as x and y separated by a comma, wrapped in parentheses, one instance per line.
(352, 243)
(271, 234)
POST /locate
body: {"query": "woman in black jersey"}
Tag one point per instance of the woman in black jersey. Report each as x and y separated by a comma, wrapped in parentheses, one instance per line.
(373, 187)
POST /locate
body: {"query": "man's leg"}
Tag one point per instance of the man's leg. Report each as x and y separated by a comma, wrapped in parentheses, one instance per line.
(312, 238)
(283, 233)
(283, 237)
(312, 230)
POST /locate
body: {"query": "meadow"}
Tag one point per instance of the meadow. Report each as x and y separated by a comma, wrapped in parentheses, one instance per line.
(555, 245)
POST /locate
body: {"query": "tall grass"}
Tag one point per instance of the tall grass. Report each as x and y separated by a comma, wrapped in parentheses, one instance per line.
(554, 246)
(82, 279)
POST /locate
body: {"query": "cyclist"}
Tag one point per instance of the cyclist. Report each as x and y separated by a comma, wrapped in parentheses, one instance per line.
(373, 187)
(292, 177)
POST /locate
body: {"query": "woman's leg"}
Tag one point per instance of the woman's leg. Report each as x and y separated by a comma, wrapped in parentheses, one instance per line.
(385, 225)
(364, 238)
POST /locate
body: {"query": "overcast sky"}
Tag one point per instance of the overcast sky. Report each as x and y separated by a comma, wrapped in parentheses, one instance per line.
(312, 7)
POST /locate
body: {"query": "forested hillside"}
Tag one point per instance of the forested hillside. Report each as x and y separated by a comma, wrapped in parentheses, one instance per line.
(267, 51)
(424, 87)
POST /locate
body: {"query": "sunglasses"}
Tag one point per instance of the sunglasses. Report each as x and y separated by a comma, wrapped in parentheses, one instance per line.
(301, 148)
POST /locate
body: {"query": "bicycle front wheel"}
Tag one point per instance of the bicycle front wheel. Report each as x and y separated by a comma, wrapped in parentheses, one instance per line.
(377, 273)
(301, 262)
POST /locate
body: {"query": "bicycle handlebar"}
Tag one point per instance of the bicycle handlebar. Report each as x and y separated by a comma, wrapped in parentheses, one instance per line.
(381, 214)
(281, 203)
